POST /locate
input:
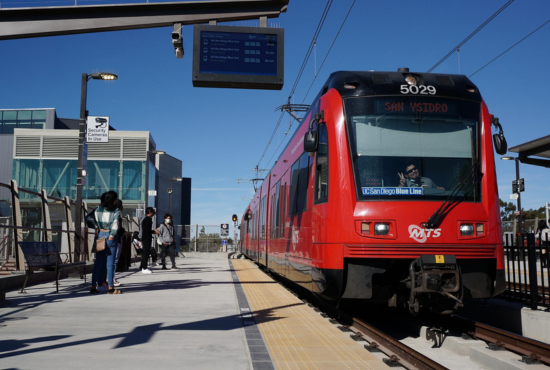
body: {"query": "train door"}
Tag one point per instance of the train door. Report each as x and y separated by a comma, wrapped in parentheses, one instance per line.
(263, 257)
(320, 210)
(273, 227)
(283, 223)
(298, 251)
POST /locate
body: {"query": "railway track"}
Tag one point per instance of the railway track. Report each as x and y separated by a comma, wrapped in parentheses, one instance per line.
(377, 341)
(531, 350)
(398, 353)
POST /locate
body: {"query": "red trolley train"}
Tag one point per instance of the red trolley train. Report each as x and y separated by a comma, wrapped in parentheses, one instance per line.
(387, 192)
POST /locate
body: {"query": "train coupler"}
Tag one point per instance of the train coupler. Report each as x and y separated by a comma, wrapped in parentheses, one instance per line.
(433, 274)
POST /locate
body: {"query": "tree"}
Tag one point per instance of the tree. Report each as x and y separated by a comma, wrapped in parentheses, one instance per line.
(531, 214)
(507, 210)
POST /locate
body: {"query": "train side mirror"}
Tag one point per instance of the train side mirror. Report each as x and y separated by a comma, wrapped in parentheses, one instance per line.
(501, 146)
(499, 140)
(311, 141)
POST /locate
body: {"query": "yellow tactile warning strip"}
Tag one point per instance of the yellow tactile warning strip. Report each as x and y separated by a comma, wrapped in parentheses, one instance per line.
(298, 337)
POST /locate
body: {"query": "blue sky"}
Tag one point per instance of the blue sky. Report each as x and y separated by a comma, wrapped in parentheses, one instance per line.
(220, 134)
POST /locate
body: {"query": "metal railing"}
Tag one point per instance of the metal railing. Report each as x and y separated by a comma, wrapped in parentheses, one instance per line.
(527, 268)
(205, 238)
(29, 220)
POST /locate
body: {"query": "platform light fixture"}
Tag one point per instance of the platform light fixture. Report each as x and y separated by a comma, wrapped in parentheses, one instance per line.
(81, 172)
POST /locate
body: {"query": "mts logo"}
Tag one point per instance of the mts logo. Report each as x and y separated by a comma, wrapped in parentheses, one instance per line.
(421, 235)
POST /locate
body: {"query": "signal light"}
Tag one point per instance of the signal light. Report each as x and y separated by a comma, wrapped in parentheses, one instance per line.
(234, 218)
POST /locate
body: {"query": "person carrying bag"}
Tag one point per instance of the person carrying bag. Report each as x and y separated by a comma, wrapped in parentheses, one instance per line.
(167, 241)
(105, 218)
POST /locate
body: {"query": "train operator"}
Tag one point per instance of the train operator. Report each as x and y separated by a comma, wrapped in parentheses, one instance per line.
(411, 178)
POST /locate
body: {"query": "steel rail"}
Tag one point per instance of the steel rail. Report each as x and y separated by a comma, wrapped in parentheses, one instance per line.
(531, 348)
(396, 351)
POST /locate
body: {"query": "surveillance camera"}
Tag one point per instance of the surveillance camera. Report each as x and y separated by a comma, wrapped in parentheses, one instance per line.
(176, 36)
(179, 53)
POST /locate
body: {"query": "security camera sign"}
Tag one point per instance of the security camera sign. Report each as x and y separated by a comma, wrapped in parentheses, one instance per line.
(98, 129)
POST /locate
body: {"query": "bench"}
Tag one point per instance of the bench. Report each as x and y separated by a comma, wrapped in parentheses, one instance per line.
(44, 255)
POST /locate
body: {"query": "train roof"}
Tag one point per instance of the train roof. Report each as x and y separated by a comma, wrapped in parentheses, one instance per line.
(360, 83)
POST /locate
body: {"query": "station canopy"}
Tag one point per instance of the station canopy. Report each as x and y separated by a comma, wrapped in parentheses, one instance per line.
(536, 148)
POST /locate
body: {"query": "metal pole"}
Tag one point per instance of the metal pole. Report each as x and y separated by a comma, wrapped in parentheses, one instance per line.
(170, 197)
(196, 236)
(81, 137)
(518, 216)
(533, 278)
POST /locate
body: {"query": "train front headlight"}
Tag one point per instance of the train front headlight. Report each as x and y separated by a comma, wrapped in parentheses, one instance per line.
(381, 229)
(466, 230)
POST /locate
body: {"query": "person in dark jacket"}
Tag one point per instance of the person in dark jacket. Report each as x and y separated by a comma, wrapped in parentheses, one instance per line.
(147, 238)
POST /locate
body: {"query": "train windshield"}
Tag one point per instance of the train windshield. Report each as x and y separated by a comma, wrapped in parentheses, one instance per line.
(413, 148)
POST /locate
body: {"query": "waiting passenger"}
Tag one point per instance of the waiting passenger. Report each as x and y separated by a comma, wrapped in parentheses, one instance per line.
(411, 178)
(105, 219)
(166, 241)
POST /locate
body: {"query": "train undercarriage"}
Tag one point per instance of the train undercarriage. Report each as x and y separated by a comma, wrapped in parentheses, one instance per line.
(441, 284)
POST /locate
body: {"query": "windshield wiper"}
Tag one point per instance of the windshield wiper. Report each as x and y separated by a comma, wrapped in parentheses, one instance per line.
(453, 199)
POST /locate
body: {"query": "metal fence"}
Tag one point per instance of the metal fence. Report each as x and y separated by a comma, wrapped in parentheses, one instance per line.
(206, 238)
(527, 268)
(527, 226)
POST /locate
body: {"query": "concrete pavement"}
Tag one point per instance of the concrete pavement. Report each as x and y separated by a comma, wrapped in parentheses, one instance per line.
(187, 318)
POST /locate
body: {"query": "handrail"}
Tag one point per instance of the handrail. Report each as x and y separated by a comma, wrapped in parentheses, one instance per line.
(35, 228)
(34, 193)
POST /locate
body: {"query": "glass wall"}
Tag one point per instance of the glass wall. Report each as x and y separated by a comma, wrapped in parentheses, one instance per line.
(152, 184)
(11, 119)
(58, 178)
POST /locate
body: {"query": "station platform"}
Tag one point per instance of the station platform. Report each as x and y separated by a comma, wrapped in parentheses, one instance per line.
(209, 314)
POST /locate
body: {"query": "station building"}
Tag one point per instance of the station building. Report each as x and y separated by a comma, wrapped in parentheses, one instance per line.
(40, 151)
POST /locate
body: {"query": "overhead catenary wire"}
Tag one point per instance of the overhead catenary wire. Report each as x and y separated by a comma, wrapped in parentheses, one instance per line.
(329, 50)
(510, 48)
(471, 35)
(317, 73)
(299, 75)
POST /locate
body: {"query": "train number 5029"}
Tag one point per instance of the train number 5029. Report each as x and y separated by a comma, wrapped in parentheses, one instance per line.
(422, 89)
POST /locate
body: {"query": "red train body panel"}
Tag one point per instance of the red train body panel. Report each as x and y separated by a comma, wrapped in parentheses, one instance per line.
(349, 220)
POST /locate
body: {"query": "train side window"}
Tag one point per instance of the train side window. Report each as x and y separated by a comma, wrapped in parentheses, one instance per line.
(293, 185)
(321, 167)
(262, 218)
(282, 212)
(276, 210)
(298, 185)
(274, 222)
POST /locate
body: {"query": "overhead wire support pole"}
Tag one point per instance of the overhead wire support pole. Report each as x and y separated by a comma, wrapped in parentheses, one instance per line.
(20, 23)
(292, 109)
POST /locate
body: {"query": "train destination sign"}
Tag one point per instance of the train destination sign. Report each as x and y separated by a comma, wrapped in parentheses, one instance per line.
(238, 57)
(392, 191)
(415, 106)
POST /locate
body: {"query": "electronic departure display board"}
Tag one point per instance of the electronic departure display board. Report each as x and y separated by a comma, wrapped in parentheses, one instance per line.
(238, 57)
